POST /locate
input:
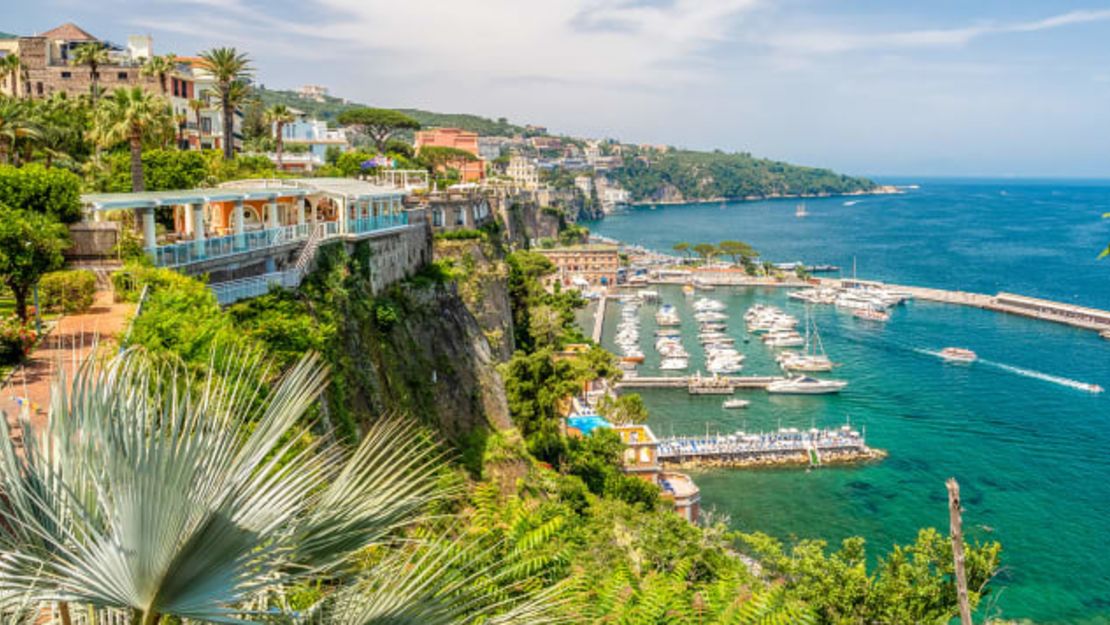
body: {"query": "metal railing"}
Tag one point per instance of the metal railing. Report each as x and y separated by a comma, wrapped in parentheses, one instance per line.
(186, 252)
(235, 290)
(381, 222)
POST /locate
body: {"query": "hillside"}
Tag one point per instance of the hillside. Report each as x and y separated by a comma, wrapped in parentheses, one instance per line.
(650, 176)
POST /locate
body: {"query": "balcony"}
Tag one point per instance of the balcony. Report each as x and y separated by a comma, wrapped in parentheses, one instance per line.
(179, 254)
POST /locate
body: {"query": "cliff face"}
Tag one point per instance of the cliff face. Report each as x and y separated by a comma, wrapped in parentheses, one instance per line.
(482, 278)
(413, 349)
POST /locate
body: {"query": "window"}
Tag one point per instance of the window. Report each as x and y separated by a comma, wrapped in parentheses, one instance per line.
(121, 75)
(38, 88)
(67, 74)
(206, 125)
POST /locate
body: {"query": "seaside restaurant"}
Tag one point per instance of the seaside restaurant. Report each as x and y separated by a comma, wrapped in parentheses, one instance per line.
(249, 215)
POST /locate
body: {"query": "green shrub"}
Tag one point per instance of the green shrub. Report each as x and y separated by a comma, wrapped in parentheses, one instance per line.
(67, 291)
(462, 234)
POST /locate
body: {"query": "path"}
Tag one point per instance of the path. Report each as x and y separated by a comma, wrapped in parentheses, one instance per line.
(599, 319)
(67, 345)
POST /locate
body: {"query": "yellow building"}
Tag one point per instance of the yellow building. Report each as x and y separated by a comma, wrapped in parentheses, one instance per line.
(595, 265)
(641, 460)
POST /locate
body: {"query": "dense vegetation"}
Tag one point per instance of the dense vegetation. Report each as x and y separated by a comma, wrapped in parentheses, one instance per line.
(705, 175)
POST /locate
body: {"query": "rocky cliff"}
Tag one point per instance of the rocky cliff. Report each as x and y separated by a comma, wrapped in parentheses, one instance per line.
(482, 277)
(414, 348)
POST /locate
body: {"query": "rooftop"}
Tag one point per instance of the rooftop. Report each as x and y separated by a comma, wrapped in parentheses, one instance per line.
(588, 247)
(68, 32)
(258, 189)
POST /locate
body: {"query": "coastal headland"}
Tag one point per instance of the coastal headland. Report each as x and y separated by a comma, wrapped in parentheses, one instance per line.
(885, 189)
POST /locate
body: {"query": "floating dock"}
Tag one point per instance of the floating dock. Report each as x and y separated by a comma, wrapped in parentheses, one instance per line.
(784, 446)
(683, 381)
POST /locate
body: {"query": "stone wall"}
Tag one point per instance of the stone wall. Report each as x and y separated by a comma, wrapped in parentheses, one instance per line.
(395, 255)
(93, 240)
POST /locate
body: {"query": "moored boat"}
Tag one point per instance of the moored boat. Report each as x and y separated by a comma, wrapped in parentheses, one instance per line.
(805, 385)
(735, 403)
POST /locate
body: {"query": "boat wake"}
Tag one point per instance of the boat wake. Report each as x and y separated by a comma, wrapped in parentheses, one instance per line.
(1037, 375)
(1028, 373)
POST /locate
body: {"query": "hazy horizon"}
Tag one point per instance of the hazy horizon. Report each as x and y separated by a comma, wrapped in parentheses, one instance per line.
(997, 89)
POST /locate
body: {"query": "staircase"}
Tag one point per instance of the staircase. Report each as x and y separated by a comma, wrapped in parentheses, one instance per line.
(308, 252)
(235, 290)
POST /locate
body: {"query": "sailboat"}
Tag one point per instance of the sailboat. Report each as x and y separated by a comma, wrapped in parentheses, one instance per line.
(800, 211)
(812, 357)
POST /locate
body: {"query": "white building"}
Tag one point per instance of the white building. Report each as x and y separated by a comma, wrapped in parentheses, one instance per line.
(316, 136)
(524, 172)
(313, 92)
(585, 184)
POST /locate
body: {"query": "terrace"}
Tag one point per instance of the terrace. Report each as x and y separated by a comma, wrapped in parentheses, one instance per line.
(242, 217)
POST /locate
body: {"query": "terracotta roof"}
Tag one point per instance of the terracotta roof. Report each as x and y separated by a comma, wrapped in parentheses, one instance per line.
(68, 32)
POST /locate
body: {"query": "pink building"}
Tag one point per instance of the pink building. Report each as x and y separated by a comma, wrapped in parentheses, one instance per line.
(471, 171)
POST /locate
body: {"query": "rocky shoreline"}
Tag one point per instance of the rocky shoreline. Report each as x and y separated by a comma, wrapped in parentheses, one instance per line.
(785, 459)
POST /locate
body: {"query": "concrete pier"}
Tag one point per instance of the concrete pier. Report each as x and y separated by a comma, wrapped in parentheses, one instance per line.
(599, 319)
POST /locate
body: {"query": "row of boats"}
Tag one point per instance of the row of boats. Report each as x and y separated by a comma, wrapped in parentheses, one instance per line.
(871, 302)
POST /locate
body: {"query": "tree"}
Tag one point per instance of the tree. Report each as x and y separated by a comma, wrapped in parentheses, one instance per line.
(92, 54)
(161, 496)
(279, 115)
(160, 67)
(31, 245)
(624, 409)
(50, 191)
(438, 158)
(10, 65)
(16, 127)
(229, 68)
(706, 251)
(682, 247)
(378, 124)
(738, 250)
(196, 106)
(131, 115)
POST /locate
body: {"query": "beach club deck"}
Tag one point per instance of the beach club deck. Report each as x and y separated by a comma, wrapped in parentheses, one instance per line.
(250, 234)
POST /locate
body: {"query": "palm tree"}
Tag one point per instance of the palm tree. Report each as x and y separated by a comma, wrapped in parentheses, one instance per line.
(153, 492)
(196, 106)
(160, 67)
(278, 116)
(229, 67)
(17, 129)
(93, 54)
(10, 65)
(132, 115)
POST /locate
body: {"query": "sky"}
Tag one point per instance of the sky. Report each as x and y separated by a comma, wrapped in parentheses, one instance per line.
(872, 87)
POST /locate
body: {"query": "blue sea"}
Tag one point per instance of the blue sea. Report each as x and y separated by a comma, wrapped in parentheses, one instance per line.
(1032, 453)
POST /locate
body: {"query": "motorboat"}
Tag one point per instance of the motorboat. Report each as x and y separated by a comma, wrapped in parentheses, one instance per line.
(667, 316)
(705, 304)
(958, 354)
(688, 290)
(735, 403)
(668, 332)
(710, 315)
(794, 340)
(871, 314)
(674, 364)
(805, 385)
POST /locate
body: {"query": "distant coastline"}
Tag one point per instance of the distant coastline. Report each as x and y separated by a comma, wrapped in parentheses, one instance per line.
(884, 189)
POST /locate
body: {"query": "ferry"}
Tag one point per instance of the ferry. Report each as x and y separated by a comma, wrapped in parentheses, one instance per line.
(805, 385)
(736, 403)
(958, 354)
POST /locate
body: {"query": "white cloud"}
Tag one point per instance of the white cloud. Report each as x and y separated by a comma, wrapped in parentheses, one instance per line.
(826, 42)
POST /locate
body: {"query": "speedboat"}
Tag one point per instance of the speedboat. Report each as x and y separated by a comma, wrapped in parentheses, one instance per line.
(736, 403)
(805, 385)
(958, 354)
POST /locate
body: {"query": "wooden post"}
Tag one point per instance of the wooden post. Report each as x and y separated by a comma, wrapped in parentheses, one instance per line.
(958, 549)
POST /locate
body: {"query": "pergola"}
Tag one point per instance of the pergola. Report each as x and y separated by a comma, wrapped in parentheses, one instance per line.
(247, 215)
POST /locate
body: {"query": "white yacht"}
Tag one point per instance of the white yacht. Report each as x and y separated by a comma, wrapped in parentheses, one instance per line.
(812, 357)
(674, 364)
(805, 385)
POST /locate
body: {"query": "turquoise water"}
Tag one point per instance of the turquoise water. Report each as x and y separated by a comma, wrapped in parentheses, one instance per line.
(1031, 454)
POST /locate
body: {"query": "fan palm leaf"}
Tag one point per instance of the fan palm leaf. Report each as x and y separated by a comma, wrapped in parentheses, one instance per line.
(150, 492)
